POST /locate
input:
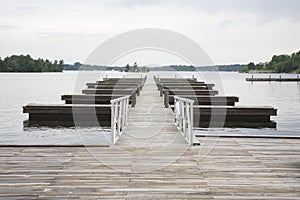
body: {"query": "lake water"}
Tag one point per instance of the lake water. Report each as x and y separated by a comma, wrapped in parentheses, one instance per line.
(19, 89)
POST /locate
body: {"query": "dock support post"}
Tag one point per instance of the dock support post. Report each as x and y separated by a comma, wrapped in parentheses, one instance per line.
(159, 86)
(166, 98)
(133, 100)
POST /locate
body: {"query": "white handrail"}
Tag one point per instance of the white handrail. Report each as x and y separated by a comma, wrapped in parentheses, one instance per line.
(184, 117)
(119, 116)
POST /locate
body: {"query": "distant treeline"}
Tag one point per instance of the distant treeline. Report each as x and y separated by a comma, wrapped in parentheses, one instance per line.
(127, 68)
(21, 63)
(224, 68)
(173, 68)
(235, 67)
(278, 64)
(85, 67)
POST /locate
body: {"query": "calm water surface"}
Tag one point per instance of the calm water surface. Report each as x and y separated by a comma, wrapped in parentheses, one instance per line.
(17, 90)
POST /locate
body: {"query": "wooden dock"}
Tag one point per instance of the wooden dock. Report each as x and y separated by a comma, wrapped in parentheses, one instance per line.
(222, 168)
(151, 160)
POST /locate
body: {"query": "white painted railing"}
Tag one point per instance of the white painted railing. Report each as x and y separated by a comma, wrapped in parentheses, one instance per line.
(119, 116)
(184, 117)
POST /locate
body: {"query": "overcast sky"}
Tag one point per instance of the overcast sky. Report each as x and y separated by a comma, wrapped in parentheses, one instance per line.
(230, 31)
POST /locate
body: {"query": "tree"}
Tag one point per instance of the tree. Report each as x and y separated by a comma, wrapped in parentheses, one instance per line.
(12, 66)
(279, 64)
(251, 66)
(135, 68)
(2, 66)
(21, 63)
(61, 65)
(127, 68)
(77, 65)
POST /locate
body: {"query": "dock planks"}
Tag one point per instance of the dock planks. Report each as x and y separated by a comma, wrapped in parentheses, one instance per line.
(152, 161)
(232, 169)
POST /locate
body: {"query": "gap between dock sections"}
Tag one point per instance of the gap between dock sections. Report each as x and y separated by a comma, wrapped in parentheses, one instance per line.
(50, 145)
(252, 136)
(107, 145)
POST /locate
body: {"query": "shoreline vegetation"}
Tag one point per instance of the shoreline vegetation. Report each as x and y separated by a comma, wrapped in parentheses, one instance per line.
(134, 68)
(279, 64)
(21, 63)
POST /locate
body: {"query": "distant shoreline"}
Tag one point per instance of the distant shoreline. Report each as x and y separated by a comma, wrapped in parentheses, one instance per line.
(145, 72)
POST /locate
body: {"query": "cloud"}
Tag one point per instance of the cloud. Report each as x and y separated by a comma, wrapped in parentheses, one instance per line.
(7, 27)
(65, 35)
(130, 3)
(264, 9)
(230, 30)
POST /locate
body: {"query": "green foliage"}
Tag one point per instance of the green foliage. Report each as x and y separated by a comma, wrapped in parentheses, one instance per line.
(135, 67)
(251, 66)
(21, 63)
(244, 70)
(127, 68)
(278, 64)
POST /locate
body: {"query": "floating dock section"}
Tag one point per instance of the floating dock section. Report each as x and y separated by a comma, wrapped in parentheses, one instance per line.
(92, 108)
(210, 110)
(273, 79)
